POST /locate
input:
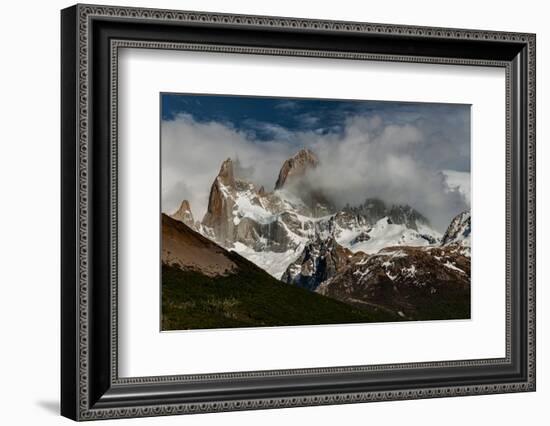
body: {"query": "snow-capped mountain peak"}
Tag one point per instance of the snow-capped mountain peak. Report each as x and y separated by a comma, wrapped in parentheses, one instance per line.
(274, 229)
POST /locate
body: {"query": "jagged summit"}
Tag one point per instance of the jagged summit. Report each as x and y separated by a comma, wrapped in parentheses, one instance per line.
(459, 230)
(184, 214)
(227, 173)
(295, 166)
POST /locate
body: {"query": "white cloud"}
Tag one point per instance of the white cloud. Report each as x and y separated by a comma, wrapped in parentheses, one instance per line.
(192, 153)
(369, 158)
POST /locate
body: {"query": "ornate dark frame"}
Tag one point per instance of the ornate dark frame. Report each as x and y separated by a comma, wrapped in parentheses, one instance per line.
(91, 37)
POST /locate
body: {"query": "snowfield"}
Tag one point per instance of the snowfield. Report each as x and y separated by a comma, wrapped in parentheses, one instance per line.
(245, 208)
(384, 234)
(274, 263)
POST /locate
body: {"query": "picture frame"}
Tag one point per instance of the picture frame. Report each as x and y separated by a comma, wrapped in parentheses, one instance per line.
(90, 384)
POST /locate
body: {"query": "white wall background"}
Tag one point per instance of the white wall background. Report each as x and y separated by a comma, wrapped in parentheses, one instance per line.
(29, 215)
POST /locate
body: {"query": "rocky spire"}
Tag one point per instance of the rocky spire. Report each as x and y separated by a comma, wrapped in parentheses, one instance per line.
(295, 166)
(184, 214)
(219, 214)
(226, 176)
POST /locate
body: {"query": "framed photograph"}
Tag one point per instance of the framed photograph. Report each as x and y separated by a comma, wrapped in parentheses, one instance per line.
(263, 212)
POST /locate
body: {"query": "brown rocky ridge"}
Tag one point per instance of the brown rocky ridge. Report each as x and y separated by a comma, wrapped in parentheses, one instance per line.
(190, 251)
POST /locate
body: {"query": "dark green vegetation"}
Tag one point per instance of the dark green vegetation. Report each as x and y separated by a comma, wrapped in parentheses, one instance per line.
(249, 298)
(456, 306)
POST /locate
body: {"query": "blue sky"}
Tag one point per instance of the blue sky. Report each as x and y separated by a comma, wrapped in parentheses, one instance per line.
(445, 126)
(396, 151)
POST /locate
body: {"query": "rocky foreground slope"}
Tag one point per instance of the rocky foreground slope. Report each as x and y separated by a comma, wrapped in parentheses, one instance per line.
(206, 286)
(189, 250)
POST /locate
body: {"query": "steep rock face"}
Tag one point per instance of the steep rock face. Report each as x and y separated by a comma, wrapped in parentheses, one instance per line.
(190, 251)
(184, 214)
(459, 230)
(320, 260)
(219, 214)
(226, 176)
(412, 282)
(239, 212)
(271, 237)
(296, 166)
(290, 174)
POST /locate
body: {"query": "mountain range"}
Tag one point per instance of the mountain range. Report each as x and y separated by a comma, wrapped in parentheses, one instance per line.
(372, 255)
